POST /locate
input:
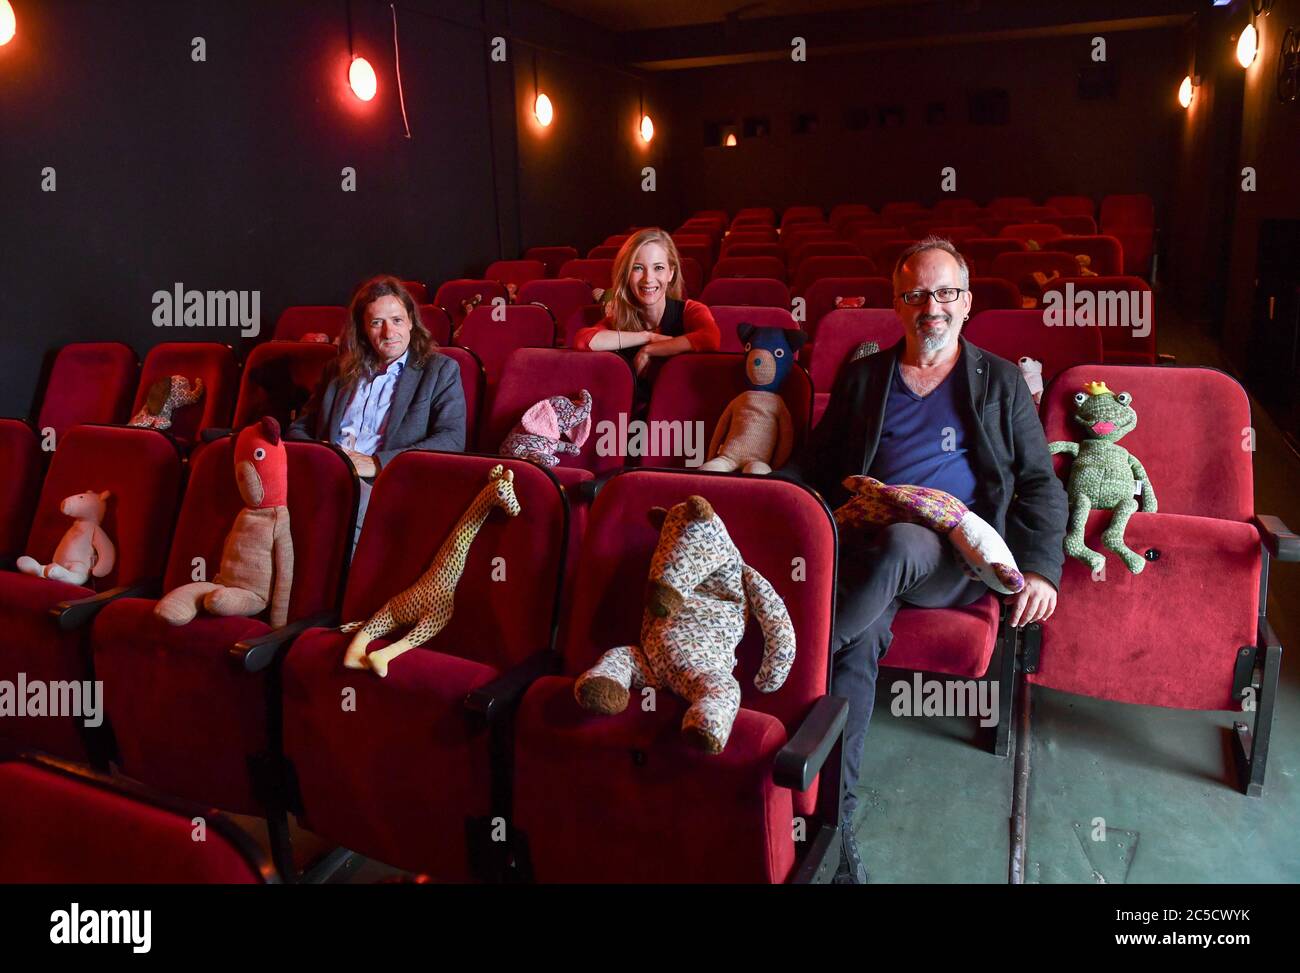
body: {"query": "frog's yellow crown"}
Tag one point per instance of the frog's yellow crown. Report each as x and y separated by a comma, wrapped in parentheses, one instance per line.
(1096, 388)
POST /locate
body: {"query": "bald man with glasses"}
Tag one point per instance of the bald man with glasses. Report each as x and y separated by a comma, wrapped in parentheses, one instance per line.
(932, 411)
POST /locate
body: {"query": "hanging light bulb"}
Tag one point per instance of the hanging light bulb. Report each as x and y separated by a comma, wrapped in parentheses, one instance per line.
(1185, 92)
(361, 76)
(730, 140)
(1247, 46)
(647, 128)
(543, 110)
(8, 23)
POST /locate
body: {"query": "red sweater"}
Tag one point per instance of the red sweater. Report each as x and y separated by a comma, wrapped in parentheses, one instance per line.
(698, 327)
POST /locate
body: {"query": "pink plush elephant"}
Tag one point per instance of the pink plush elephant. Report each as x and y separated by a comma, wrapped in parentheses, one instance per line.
(85, 549)
(541, 432)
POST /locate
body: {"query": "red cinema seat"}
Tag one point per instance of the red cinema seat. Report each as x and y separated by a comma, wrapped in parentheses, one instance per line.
(745, 291)
(68, 825)
(1106, 253)
(597, 273)
(279, 377)
(839, 333)
(869, 240)
(552, 258)
(717, 215)
(886, 254)
(88, 382)
(437, 321)
(948, 208)
(751, 234)
(845, 212)
(815, 268)
(1013, 335)
(418, 291)
(1124, 308)
(588, 316)
(1132, 219)
(821, 248)
(1073, 205)
(1190, 631)
(1034, 214)
(904, 211)
(956, 233)
(769, 267)
(603, 252)
(564, 297)
(405, 776)
(616, 239)
(458, 297)
(994, 294)
(189, 703)
(47, 622)
(207, 360)
(1038, 232)
(517, 272)
(696, 388)
(802, 214)
(294, 322)
(692, 277)
(533, 374)
(1006, 206)
(755, 216)
(1019, 267)
(728, 318)
(1075, 225)
(24, 466)
(593, 794)
(697, 248)
(801, 233)
(994, 225)
(473, 383)
(754, 250)
(825, 294)
(980, 252)
(493, 334)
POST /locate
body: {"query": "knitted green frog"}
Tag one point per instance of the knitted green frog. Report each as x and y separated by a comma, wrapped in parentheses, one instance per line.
(1104, 476)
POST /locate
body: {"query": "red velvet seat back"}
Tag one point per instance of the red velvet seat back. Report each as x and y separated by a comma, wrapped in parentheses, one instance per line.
(908, 210)
(1075, 225)
(418, 290)
(504, 609)
(597, 273)
(759, 215)
(20, 457)
(745, 292)
(868, 241)
(751, 234)
(948, 208)
(744, 248)
(1073, 205)
(1007, 205)
(278, 379)
(1041, 232)
(1106, 252)
(142, 470)
(699, 387)
(1015, 334)
(728, 318)
(553, 258)
(452, 295)
(980, 252)
(90, 382)
(772, 522)
(994, 294)
(1120, 345)
(1019, 267)
(564, 297)
(886, 254)
(517, 272)
(473, 382)
(806, 249)
(294, 322)
(522, 326)
(692, 276)
(1132, 219)
(1192, 430)
(815, 268)
(603, 252)
(208, 360)
(802, 214)
(67, 827)
(1035, 214)
(437, 321)
(531, 374)
(772, 267)
(322, 512)
(841, 331)
(958, 233)
(701, 249)
(822, 294)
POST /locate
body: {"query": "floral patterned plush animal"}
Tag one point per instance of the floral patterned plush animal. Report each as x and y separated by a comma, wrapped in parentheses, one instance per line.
(85, 549)
(166, 396)
(257, 558)
(1104, 476)
(540, 434)
(984, 553)
(428, 604)
(699, 597)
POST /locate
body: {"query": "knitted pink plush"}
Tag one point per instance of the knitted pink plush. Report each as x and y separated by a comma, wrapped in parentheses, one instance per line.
(85, 549)
(984, 553)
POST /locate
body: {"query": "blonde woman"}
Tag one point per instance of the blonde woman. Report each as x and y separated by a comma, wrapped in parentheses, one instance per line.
(647, 316)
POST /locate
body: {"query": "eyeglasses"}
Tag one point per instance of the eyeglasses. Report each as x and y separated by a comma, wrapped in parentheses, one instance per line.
(944, 295)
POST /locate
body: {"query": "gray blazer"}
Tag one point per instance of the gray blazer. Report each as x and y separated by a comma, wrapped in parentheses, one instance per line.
(427, 410)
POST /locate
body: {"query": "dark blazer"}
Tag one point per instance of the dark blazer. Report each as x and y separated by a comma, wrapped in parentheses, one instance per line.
(1017, 491)
(427, 410)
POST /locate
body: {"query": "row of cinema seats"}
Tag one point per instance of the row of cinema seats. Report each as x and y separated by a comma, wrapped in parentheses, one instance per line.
(480, 726)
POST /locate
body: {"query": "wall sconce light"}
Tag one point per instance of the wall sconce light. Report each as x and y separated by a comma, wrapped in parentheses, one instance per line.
(1248, 45)
(730, 141)
(8, 23)
(1186, 91)
(361, 78)
(647, 126)
(543, 110)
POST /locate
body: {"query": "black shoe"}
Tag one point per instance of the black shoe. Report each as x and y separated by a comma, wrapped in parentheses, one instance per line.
(852, 871)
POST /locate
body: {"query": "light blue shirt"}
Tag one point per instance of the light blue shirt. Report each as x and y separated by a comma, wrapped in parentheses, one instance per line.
(363, 424)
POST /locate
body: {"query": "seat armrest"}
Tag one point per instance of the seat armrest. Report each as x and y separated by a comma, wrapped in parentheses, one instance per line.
(1279, 540)
(504, 692)
(1165, 359)
(256, 654)
(75, 614)
(212, 433)
(799, 762)
(8, 563)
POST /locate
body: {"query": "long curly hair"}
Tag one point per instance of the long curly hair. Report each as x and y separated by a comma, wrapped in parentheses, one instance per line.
(623, 308)
(357, 356)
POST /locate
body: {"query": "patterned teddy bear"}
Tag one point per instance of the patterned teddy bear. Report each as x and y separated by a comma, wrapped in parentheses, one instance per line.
(166, 396)
(700, 593)
(538, 437)
(1104, 476)
(428, 604)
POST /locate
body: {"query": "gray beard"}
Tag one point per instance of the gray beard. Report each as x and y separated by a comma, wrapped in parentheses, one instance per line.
(936, 342)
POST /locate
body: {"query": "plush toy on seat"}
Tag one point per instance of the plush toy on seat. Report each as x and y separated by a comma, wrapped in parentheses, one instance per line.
(539, 435)
(166, 396)
(85, 549)
(257, 558)
(1104, 476)
(983, 552)
(698, 599)
(755, 433)
(1032, 370)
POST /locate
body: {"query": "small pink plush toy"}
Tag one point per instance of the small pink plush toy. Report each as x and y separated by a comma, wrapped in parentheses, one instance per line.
(85, 549)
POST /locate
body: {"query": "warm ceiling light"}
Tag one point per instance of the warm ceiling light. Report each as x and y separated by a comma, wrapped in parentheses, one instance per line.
(543, 110)
(647, 128)
(8, 23)
(361, 76)
(731, 139)
(1247, 46)
(1185, 92)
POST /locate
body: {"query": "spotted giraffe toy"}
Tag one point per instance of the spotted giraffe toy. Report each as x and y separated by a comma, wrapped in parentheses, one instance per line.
(427, 604)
